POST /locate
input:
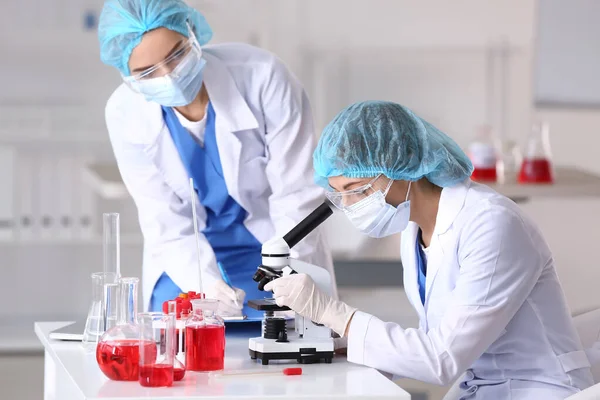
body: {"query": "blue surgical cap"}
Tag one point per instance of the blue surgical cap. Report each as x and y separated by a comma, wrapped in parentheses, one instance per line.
(123, 22)
(376, 137)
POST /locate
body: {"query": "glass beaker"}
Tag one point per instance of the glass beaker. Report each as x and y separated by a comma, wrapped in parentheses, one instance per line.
(118, 352)
(509, 162)
(157, 349)
(483, 156)
(204, 337)
(537, 161)
(95, 323)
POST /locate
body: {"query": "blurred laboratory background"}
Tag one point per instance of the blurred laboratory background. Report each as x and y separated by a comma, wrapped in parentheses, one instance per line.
(481, 71)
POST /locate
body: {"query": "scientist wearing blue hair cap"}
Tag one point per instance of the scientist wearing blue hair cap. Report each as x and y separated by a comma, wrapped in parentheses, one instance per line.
(476, 270)
(230, 116)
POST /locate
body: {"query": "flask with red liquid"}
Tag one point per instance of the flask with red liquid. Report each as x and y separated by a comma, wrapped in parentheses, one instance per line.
(204, 337)
(118, 352)
(537, 161)
(483, 155)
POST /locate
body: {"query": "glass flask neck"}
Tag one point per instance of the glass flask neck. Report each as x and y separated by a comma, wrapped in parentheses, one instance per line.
(128, 301)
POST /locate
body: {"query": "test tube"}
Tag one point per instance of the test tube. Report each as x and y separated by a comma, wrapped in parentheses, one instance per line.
(111, 305)
(112, 244)
(128, 300)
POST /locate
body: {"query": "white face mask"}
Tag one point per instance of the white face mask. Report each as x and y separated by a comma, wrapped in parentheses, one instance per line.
(373, 216)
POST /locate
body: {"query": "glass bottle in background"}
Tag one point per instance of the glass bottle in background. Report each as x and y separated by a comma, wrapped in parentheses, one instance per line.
(157, 349)
(204, 337)
(509, 162)
(537, 161)
(483, 155)
(95, 323)
(118, 351)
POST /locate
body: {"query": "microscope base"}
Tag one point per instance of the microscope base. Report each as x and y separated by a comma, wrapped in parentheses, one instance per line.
(304, 351)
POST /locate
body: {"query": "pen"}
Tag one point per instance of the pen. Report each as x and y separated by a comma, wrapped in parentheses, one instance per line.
(226, 279)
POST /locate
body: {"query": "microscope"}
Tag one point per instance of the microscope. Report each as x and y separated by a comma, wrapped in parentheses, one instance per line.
(310, 342)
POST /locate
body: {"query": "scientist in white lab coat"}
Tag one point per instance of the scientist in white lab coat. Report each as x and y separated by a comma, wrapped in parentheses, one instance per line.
(476, 269)
(230, 116)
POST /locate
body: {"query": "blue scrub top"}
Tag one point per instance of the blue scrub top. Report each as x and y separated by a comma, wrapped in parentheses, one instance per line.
(238, 251)
(421, 267)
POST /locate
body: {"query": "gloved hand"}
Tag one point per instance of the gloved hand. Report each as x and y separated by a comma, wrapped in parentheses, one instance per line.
(300, 293)
(227, 297)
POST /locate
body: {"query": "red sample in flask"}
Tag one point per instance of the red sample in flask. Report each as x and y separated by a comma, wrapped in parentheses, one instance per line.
(537, 165)
(156, 375)
(178, 374)
(535, 171)
(119, 360)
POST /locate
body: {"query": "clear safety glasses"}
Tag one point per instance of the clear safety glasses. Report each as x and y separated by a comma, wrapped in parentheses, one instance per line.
(169, 64)
(346, 199)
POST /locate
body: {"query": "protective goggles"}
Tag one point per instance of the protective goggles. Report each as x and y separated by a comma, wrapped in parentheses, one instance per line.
(346, 199)
(169, 64)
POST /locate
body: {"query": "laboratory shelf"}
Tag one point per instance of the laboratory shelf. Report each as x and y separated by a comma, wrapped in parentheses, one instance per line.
(569, 182)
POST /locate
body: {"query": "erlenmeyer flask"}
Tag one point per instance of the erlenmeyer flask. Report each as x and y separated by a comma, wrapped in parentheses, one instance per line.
(95, 323)
(537, 161)
(118, 351)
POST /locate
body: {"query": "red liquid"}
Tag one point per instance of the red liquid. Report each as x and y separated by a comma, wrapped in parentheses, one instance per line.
(178, 374)
(484, 174)
(156, 375)
(537, 170)
(205, 348)
(119, 360)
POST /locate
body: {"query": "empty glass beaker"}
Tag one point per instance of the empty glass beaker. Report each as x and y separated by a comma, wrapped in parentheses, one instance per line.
(204, 337)
(509, 161)
(118, 353)
(537, 160)
(483, 154)
(95, 324)
(157, 349)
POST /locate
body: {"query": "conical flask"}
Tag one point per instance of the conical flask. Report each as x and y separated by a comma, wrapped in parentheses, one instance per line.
(95, 323)
(537, 160)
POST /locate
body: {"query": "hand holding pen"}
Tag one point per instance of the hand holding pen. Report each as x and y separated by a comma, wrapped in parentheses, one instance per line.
(231, 299)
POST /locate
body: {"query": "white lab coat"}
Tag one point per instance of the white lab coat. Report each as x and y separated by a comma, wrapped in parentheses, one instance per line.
(493, 307)
(265, 136)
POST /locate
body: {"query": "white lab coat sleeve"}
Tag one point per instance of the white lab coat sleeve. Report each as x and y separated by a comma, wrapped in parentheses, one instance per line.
(499, 266)
(165, 220)
(290, 144)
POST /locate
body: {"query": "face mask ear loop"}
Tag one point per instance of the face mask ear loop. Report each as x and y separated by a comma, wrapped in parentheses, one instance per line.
(387, 188)
(408, 191)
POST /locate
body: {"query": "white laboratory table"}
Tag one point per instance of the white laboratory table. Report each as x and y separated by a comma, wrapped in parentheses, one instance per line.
(70, 373)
